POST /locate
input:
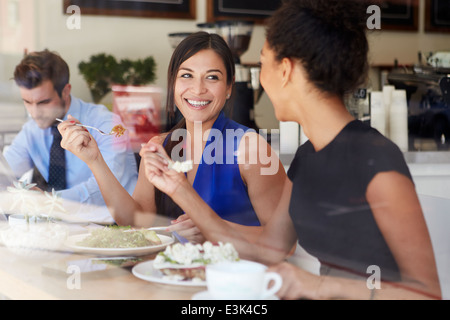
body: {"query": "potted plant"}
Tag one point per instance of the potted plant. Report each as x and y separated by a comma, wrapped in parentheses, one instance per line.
(102, 71)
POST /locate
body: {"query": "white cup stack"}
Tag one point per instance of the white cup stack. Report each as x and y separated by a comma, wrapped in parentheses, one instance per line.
(389, 115)
(377, 112)
(289, 137)
(399, 119)
(387, 95)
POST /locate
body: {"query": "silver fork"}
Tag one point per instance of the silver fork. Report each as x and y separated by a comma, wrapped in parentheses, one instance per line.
(182, 239)
(86, 126)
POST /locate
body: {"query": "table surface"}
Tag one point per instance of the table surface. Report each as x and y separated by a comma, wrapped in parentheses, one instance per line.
(49, 276)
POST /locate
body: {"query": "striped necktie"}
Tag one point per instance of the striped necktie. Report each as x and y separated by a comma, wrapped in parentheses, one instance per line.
(57, 167)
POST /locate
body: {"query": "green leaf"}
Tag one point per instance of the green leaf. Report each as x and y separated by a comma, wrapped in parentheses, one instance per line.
(102, 71)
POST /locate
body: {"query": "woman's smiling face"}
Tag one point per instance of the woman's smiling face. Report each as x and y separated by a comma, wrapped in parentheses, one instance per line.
(201, 88)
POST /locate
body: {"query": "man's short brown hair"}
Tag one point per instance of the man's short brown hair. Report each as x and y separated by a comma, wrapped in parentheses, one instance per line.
(37, 67)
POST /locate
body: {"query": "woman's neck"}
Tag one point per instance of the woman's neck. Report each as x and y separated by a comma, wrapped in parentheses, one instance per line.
(322, 118)
(198, 135)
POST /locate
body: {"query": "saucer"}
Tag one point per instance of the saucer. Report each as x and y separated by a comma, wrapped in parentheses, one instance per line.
(205, 295)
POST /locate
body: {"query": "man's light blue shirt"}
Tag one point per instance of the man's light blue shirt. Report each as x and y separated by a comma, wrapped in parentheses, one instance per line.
(31, 147)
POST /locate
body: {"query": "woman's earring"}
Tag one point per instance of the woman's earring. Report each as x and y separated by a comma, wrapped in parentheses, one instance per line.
(228, 96)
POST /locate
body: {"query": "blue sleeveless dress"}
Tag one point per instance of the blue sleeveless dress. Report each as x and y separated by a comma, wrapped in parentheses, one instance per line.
(218, 180)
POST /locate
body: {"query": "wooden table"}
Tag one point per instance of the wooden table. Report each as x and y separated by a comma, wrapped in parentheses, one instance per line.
(49, 276)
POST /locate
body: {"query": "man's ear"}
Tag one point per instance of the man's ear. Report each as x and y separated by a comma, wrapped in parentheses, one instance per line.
(66, 91)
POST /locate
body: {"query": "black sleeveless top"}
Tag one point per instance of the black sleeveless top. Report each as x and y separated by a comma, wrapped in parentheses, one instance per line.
(332, 217)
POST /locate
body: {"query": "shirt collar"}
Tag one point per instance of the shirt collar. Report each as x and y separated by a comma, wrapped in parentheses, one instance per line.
(74, 109)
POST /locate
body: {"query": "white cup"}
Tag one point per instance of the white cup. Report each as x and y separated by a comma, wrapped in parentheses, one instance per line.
(241, 280)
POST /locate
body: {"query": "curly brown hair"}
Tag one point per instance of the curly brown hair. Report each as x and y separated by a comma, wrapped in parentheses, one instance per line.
(327, 36)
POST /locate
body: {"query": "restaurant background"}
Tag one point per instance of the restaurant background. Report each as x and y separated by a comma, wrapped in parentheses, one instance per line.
(40, 24)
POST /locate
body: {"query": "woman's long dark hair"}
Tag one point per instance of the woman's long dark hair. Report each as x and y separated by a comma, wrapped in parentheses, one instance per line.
(191, 45)
(187, 48)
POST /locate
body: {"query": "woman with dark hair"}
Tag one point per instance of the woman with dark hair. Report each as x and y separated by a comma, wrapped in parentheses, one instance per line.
(232, 173)
(350, 201)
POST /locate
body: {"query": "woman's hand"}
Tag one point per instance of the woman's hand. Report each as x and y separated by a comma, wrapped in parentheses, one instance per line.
(78, 140)
(186, 228)
(297, 283)
(157, 171)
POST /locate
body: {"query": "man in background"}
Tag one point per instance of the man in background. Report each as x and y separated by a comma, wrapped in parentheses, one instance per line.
(43, 80)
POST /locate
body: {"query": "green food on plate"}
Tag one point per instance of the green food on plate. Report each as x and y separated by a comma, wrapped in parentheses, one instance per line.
(118, 237)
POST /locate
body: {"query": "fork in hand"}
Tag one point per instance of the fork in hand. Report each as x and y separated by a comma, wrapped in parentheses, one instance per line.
(86, 126)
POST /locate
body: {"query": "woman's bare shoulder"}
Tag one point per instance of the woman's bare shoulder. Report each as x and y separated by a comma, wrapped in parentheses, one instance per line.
(159, 138)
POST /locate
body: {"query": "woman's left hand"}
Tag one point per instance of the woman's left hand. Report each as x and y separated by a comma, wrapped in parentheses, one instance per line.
(157, 171)
(186, 228)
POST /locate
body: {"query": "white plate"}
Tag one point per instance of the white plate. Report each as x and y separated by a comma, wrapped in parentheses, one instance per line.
(145, 271)
(139, 251)
(205, 295)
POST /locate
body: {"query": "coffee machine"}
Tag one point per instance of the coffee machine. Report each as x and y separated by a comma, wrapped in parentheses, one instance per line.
(247, 88)
(427, 85)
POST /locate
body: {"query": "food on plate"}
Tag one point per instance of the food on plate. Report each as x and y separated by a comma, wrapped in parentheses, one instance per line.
(151, 236)
(118, 130)
(181, 167)
(187, 261)
(117, 237)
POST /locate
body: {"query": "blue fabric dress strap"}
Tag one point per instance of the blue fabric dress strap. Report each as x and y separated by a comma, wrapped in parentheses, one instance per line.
(218, 179)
